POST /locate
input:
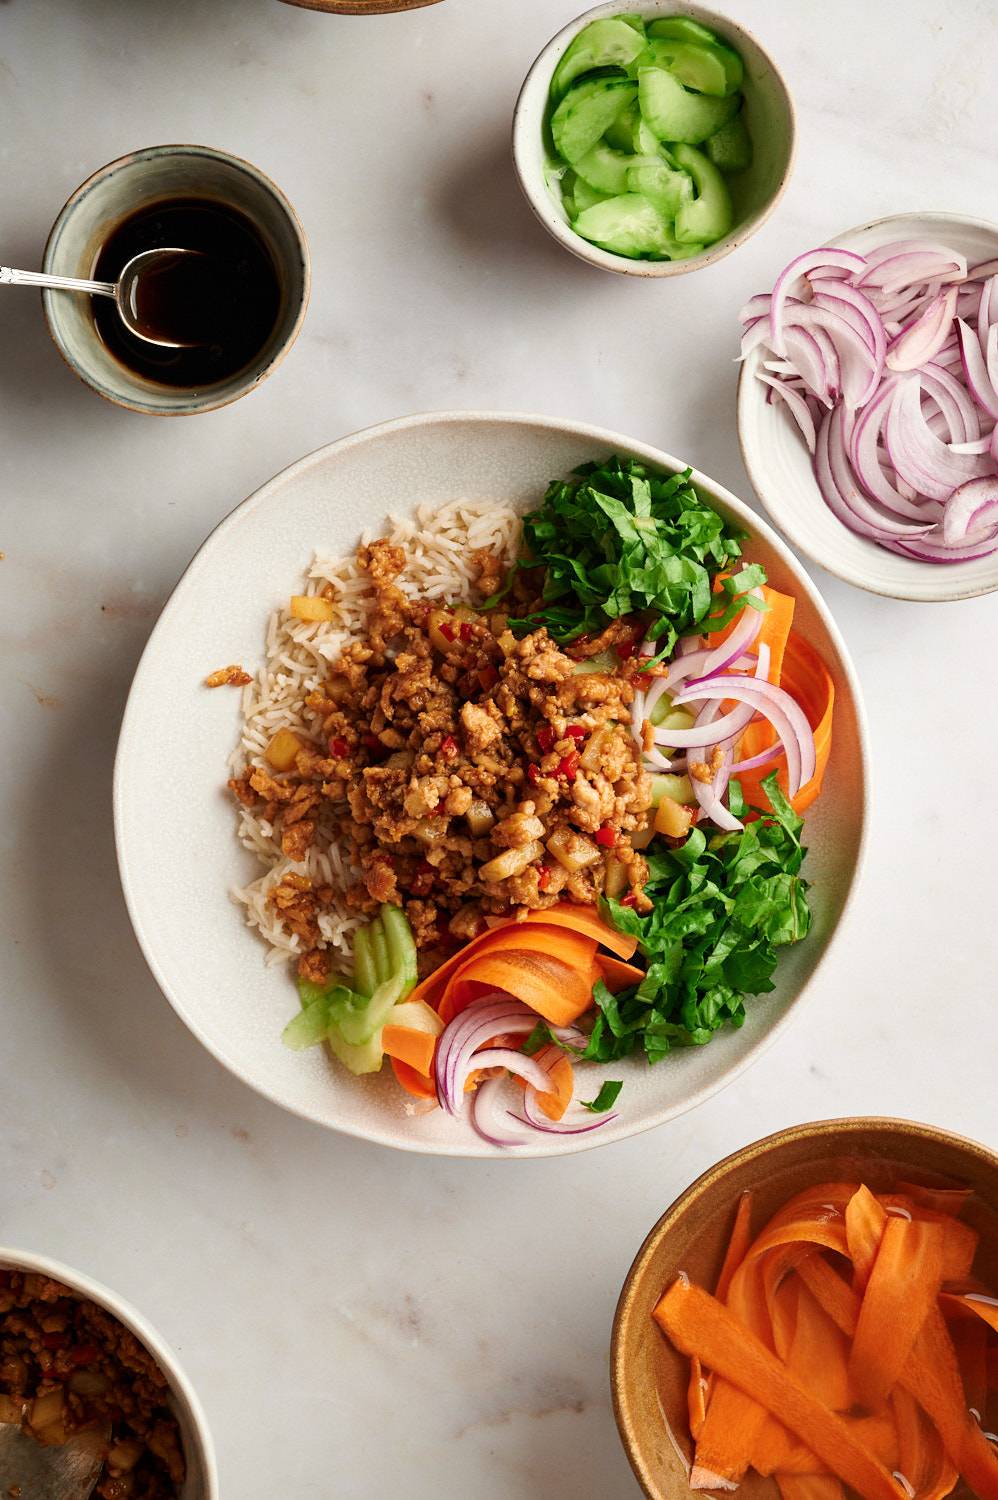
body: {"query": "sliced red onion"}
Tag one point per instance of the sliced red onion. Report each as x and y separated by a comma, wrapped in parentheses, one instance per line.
(841, 493)
(491, 1015)
(491, 1116)
(891, 272)
(962, 416)
(700, 735)
(886, 342)
(812, 260)
(709, 793)
(820, 372)
(856, 307)
(922, 340)
(916, 453)
(975, 370)
(797, 407)
(756, 762)
(755, 307)
(755, 334)
(865, 459)
(775, 704)
(970, 508)
(741, 638)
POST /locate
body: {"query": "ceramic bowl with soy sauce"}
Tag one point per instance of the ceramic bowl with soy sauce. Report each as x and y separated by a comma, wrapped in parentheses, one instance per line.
(237, 326)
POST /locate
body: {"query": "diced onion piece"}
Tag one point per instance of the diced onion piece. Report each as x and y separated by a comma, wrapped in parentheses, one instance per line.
(47, 1409)
(312, 607)
(616, 879)
(479, 818)
(124, 1455)
(443, 630)
(672, 819)
(572, 850)
(281, 752)
(511, 862)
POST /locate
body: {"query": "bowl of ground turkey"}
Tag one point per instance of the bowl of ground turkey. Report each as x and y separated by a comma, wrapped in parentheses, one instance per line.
(79, 1364)
(325, 609)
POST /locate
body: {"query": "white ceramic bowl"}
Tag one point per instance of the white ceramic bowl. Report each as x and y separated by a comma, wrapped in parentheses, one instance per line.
(175, 823)
(779, 464)
(769, 113)
(202, 1474)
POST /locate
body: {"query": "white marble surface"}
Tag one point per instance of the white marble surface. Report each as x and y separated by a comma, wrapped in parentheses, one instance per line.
(358, 1323)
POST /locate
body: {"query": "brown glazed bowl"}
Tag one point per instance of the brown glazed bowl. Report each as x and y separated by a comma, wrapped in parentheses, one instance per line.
(361, 7)
(648, 1376)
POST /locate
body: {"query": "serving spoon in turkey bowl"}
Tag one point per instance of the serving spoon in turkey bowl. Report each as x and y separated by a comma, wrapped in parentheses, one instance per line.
(36, 1471)
(136, 278)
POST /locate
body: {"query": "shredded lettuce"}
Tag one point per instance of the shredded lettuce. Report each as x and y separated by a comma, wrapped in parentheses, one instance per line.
(722, 906)
(619, 539)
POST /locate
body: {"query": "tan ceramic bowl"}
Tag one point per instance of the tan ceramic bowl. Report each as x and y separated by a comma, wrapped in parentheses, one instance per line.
(769, 113)
(361, 7)
(648, 1376)
(119, 189)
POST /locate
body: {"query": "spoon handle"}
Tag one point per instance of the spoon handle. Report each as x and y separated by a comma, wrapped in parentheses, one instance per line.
(64, 283)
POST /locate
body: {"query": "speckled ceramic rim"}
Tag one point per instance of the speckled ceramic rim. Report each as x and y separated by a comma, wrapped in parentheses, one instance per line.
(540, 200)
(800, 537)
(614, 442)
(818, 1131)
(361, 7)
(186, 1397)
(207, 402)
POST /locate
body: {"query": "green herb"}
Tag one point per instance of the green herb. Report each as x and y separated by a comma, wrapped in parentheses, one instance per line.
(722, 906)
(619, 540)
(543, 1036)
(605, 1099)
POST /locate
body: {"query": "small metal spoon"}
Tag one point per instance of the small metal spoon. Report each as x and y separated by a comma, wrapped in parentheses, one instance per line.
(68, 1471)
(123, 290)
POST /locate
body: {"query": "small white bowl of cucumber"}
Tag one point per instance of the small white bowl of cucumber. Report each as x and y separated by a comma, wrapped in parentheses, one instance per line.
(654, 140)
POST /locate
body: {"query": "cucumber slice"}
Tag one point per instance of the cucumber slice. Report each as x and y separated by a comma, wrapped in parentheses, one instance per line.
(357, 1023)
(710, 216)
(666, 189)
(730, 148)
(417, 1016)
(674, 114)
(627, 225)
(629, 18)
(367, 1058)
(379, 947)
(664, 713)
(604, 169)
(683, 27)
(308, 1027)
(696, 66)
(610, 43)
(365, 974)
(733, 67)
(401, 946)
(677, 788)
(586, 111)
(620, 132)
(585, 196)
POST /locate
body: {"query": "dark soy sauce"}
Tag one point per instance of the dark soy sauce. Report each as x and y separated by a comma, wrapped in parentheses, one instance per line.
(223, 301)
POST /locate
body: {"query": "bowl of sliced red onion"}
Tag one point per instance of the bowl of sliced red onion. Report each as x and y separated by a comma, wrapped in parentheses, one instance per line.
(868, 405)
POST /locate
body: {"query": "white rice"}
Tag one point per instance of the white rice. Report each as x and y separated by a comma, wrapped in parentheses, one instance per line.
(439, 543)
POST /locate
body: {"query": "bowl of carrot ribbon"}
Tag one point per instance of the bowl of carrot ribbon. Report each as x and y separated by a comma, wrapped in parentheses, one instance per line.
(816, 1318)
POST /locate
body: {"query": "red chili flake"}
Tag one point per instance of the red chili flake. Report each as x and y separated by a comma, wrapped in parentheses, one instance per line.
(488, 677)
(339, 747)
(53, 1340)
(624, 649)
(575, 732)
(544, 877)
(466, 631)
(629, 900)
(448, 745)
(533, 773)
(84, 1354)
(568, 765)
(447, 631)
(606, 836)
(545, 737)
